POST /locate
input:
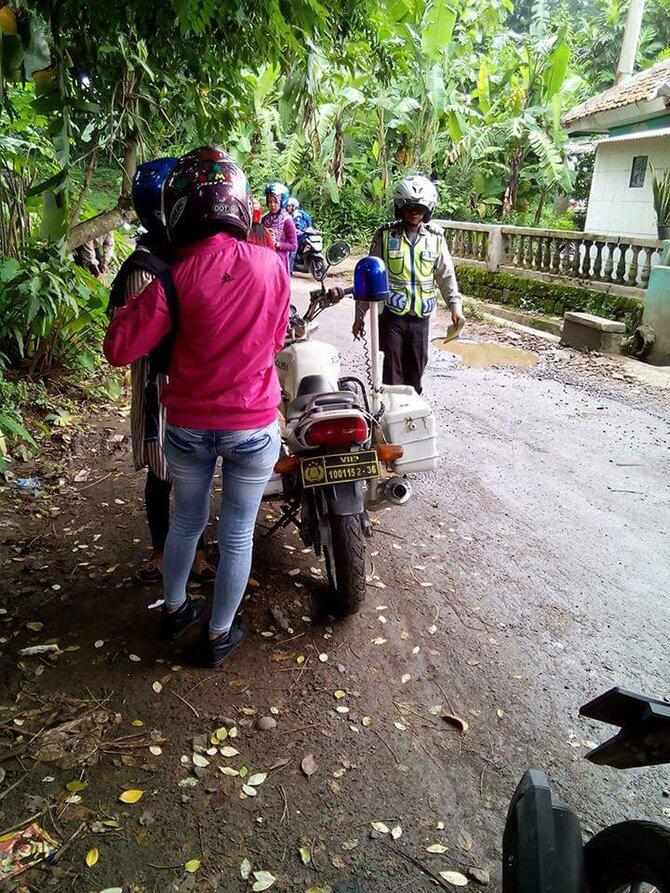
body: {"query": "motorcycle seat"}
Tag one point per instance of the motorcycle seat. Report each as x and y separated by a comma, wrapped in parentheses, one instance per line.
(314, 402)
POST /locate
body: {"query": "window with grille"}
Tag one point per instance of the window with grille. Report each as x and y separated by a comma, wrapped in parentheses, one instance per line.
(638, 171)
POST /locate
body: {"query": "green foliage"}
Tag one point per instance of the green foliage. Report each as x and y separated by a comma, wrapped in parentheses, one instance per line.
(547, 297)
(52, 312)
(661, 191)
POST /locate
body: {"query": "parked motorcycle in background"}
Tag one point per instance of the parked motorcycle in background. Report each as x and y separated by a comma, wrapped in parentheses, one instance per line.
(542, 842)
(310, 257)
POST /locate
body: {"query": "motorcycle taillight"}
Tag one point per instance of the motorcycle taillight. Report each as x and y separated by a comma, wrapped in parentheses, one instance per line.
(340, 432)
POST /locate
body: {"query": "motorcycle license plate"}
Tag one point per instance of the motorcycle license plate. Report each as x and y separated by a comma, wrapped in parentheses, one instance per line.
(339, 468)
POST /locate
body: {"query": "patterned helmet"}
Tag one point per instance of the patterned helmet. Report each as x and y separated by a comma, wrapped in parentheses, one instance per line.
(206, 186)
(278, 190)
(147, 193)
(415, 189)
(292, 202)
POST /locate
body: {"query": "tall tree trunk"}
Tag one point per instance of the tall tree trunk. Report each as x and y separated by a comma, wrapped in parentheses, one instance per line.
(338, 151)
(509, 199)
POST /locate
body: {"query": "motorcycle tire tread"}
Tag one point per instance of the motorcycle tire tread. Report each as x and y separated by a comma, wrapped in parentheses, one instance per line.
(348, 543)
(628, 852)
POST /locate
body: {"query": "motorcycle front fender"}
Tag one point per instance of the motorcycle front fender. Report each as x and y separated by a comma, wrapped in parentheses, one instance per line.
(542, 842)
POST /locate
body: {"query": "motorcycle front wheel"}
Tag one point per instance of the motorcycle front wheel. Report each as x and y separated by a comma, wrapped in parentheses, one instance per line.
(630, 857)
(345, 564)
(318, 268)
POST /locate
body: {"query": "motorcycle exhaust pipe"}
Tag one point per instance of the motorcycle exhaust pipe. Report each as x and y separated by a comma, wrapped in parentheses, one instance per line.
(397, 490)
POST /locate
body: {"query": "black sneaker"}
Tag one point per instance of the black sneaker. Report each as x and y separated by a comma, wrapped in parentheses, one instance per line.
(217, 651)
(175, 624)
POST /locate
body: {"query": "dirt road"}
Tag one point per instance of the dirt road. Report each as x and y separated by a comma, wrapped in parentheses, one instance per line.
(528, 573)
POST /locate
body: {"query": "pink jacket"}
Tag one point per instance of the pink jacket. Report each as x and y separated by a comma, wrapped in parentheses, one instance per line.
(233, 313)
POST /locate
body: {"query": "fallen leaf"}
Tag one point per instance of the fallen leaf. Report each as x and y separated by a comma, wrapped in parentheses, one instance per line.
(367, 721)
(199, 760)
(406, 677)
(157, 687)
(264, 880)
(233, 733)
(221, 734)
(437, 848)
(396, 832)
(456, 721)
(455, 878)
(92, 856)
(75, 786)
(192, 866)
(35, 626)
(323, 657)
(98, 644)
(131, 796)
(257, 779)
(249, 791)
(500, 713)
(309, 765)
(228, 770)
(155, 749)
(137, 723)
(432, 630)
(228, 752)
(380, 827)
(465, 840)
(245, 869)
(400, 726)
(135, 658)
(305, 855)
(342, 709)
(300, 659)
(379, 641)
(340, 693)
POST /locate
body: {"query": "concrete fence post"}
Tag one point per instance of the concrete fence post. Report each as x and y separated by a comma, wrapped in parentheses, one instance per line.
(495, 255)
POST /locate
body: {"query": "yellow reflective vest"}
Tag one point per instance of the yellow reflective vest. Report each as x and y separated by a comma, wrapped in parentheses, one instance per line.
(411, 270)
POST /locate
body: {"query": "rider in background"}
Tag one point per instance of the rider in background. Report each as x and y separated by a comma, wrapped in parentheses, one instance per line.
(148, 374)
(223, 393)
(419, 267)
(280, 223)
(300, 217)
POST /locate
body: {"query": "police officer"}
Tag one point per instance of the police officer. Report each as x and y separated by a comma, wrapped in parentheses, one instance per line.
(419, 266)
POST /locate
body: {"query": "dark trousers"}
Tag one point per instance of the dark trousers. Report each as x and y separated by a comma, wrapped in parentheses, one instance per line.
(157, 503)
(404, 340)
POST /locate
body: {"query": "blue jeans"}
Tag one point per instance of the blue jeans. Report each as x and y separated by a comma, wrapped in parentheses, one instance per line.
(248, 458)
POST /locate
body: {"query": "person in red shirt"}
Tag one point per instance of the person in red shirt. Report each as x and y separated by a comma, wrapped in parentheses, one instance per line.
(259, 234)
(223, 390)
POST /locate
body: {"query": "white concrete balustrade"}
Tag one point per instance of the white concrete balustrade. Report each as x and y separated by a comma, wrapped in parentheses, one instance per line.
(620, 265)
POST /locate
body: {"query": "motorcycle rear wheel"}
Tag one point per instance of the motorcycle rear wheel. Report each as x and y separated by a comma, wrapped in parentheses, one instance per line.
(345, 565)
(317, 268)
(629, 856)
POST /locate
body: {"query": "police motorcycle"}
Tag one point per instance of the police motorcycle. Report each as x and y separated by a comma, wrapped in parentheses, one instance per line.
(335, 448)
(310, 257)
(542, 841)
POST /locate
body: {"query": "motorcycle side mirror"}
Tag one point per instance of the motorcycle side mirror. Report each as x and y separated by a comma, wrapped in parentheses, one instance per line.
(337, 252)
(371, 282)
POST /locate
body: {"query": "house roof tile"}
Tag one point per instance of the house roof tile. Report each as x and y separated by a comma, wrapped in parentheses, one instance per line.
(641, 87)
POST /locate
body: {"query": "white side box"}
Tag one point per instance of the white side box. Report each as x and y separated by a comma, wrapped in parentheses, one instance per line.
(408, 421)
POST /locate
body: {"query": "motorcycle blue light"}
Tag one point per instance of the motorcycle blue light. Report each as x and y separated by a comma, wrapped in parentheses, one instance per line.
(371, 281)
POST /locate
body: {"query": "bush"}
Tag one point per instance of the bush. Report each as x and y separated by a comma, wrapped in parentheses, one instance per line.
(547, 297)
(52, 312)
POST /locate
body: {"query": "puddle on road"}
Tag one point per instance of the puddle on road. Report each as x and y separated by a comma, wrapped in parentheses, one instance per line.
(483, 355)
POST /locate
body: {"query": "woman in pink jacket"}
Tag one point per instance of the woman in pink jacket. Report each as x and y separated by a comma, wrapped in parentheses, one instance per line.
(223, 391)
(280, 223)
